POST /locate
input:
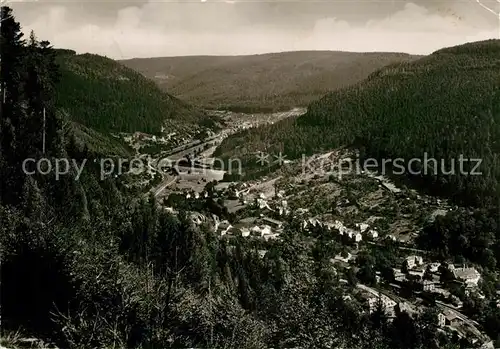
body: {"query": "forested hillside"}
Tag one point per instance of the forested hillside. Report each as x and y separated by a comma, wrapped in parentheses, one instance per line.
(446, 104)
(109, 97)
(85, 264)
(265, 82)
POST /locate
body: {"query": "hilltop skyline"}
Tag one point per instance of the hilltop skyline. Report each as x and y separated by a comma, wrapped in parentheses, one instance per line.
(153, 29)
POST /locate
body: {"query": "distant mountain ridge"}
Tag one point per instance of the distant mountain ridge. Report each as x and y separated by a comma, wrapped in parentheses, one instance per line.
(264, 82)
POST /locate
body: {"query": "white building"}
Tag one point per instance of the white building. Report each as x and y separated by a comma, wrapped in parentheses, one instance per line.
(339, 225)
(265, 230)
(245, 232)
(304, 224)
(357, 237)
(470, 276)
(372, 234)
(344, 259)
(399, 275)
(314, 222)
(434, 267)
(362, 227)
(417, 273)
(170, 209)
(429, 286)
(329, 226)
(301, 210)
(413, 261)
(441, 320)
(262, 204)
(488, 345)
(256, 231)
(271, 236)
(283, 211)
(216, 222)
(283, 208)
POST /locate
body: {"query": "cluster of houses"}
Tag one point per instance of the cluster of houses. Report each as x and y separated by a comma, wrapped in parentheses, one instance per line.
(269, 228)
(265, 228)
(469, 276)
(415, 266)
(448, 318)
(141, 136)
(280, 206)
(427, 275)
(196, 195)
(357, 234)
(263, 231)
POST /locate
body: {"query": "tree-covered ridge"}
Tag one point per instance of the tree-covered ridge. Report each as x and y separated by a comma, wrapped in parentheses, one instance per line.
(445, 105)
(102, 94)
(96, 142)
(263, 82)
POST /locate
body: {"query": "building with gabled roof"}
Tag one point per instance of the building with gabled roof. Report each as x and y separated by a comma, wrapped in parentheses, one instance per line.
(413, 261)
(362, 227)
(273, 222)
(469, 276)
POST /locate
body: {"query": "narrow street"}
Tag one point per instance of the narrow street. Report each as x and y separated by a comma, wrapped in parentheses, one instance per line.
(162, 186)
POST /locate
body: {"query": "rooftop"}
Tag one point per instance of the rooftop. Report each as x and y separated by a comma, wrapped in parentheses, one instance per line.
(272, 221)
(466, 273)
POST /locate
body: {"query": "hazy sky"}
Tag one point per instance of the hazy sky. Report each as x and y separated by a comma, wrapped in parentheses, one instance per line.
(126, 29)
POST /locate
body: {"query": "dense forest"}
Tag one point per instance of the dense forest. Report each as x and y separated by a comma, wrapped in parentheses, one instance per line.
(108, 97)
(86, 265)
(442, 106)
(264, 82)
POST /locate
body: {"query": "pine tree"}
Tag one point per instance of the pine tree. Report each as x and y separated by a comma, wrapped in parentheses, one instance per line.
(11, 51)
(28, 76)
(33, 201)
(41, 77)
(378, 318)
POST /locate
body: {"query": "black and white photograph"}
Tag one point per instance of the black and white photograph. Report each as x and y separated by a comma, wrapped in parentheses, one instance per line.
(250, 174)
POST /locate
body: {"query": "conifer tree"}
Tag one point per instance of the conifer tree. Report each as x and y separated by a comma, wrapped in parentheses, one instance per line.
(11, 50)
(33, 201)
